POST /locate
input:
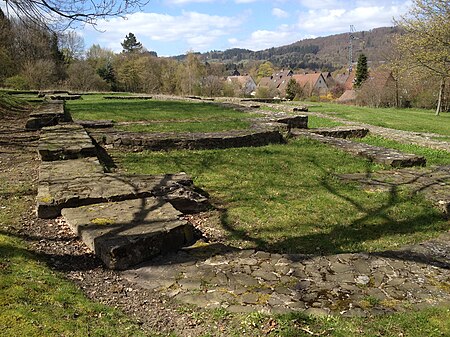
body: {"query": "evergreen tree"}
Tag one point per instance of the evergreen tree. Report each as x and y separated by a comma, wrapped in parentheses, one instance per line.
(362, 70)
(107, 73)
(131, 44)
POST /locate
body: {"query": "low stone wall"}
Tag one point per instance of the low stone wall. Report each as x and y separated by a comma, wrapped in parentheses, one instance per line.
(341, 132)
(192, 141)
(374, 153)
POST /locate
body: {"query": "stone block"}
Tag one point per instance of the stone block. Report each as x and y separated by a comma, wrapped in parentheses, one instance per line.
(298, 122)
(341, 132)
(65, 141)
(79, 182)
(129, 232)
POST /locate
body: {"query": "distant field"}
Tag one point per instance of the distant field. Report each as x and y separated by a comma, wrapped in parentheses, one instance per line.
(417, 120)
(94, 107)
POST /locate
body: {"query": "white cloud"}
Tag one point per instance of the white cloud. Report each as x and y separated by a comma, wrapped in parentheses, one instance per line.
(279, 13)
(263, 39)
(245, 1)
(196, 29)
(329, 21)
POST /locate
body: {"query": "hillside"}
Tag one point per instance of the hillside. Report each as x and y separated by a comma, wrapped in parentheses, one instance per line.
(329, 52)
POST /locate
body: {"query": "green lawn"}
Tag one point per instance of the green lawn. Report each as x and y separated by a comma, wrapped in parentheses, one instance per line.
(94, 107)
(288, 199)
(417, 120)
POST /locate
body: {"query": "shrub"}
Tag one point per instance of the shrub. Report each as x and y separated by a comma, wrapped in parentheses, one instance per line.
(17, 82)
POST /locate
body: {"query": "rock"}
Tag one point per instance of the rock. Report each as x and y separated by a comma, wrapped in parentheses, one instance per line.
(126, 233)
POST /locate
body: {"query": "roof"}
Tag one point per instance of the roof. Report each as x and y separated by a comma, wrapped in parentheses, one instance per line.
(304, 79)
(242, 80)
(347, 96)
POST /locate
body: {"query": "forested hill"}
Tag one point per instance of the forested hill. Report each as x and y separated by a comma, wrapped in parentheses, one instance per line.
(324, 52)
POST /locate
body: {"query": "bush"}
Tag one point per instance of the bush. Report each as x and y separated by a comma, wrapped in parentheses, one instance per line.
(17, 82)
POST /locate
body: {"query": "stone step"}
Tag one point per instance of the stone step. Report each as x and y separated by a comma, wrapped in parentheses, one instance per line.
(48, 114)
(341, 132)
(79, 182)
(65, 141)
(129, 232)
(376, 154)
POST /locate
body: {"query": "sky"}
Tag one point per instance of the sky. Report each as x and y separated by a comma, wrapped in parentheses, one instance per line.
(174, 27)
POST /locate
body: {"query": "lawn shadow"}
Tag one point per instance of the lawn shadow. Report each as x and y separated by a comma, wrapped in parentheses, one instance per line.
(371, 225)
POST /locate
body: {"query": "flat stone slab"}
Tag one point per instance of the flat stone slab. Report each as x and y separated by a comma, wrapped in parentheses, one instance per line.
(299, 122)
(48, 114)
(65, 141)
(79, 182)
(126, 233)
(433, 182)
(374, 153)
(192, 141)
(341, 132)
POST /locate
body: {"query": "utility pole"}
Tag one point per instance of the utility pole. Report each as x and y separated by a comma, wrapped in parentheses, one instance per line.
(351, 37)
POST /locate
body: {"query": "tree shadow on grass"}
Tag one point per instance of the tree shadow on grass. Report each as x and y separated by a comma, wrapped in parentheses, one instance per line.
(372, 224)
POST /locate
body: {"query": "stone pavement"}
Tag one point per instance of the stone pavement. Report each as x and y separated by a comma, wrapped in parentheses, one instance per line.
(48, 114)
(361, 284)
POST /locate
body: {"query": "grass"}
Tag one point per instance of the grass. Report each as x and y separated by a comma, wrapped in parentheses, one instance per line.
(433, 156)
(281, 202)
(94, 107)
(36, 301)
(319, 122)
(210, 126)
(417, 120)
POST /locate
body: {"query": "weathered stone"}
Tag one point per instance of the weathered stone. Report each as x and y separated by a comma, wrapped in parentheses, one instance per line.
(126, 233)
(73, 183)
(48, 114)
(341, 132)
(249, 298)
(65, 141)
(258, 136)
(298, 122)
(377, 154)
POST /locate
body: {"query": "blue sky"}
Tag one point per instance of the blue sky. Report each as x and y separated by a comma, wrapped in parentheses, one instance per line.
(173, 27)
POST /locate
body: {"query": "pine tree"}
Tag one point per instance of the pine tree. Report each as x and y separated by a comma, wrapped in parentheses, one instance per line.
(131, 44)
(362, 71)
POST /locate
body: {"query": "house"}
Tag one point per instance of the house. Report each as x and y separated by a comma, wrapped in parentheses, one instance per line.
(245, 84)
(277, 80)
(346, 80)
(311, 84)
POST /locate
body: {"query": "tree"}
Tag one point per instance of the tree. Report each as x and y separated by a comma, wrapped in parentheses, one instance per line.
(426, 40)
(362, 71)
(131, 44)
(71, 45)
(265, 70)
(293, 89)
(64, 13)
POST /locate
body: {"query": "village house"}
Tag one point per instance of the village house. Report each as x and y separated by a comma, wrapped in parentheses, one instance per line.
(245, 84)
(311, 84)
(277, 81)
